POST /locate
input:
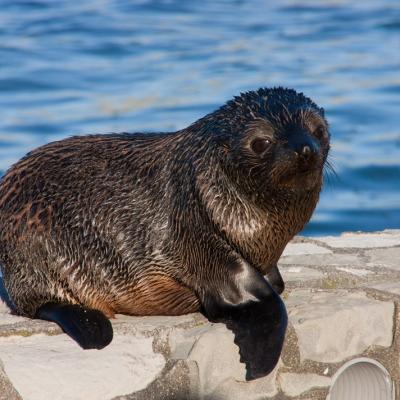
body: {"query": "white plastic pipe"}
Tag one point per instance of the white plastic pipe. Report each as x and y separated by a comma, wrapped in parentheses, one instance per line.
(362, 379)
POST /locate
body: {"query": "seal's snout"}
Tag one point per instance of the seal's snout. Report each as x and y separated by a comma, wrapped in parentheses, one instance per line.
(301, 158)
(304, 146)
(306, 151)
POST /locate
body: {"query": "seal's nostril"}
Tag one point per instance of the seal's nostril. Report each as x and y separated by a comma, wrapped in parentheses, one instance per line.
(306, 151)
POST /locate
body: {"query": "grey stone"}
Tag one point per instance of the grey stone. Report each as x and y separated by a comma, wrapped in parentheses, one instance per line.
(388, 258)
(6, 318)
(296, 249)
(259, 389)
(324, 260)
(296, 384)
(363, 240)
(299, 273)
(178, 381)
(388, 287)
(148, 325)
(334, 325)
(221, 374)
(54, 367)
(7, 390)
(27, 327)
(217, 357)
(361, 272)
(181, 341)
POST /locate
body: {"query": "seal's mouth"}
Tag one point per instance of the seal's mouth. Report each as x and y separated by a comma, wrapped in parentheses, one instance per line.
(301, 178)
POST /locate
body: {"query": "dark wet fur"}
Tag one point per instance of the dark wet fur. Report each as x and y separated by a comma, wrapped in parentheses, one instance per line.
(167, 223)
(88, 327)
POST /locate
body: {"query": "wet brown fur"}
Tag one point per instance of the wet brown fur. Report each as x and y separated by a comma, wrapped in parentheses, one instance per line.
(135, 224)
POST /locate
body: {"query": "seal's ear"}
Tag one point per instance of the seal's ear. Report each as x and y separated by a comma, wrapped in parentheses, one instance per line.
(256, 315)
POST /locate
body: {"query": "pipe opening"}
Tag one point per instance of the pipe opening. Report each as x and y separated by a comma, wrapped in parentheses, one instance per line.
(361, 379)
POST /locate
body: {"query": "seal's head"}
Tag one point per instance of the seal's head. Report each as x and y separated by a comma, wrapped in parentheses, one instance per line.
(276, 139)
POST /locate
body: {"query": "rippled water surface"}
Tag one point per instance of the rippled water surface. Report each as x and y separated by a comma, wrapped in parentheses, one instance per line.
(77, 67)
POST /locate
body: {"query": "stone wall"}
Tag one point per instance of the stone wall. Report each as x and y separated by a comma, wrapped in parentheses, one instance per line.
(342, 295)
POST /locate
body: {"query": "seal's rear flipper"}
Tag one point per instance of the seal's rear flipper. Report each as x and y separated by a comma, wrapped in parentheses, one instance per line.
(255, 313)
(88, 327)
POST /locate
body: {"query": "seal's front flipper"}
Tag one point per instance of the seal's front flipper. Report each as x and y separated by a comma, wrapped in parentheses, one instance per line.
(255, 313)
(259, 328)
(88, 327)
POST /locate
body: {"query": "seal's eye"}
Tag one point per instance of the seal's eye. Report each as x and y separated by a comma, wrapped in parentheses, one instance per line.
(319, 132)
(260, 145)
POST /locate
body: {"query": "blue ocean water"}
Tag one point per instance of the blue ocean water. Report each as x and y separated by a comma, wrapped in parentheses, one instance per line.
(77, 67)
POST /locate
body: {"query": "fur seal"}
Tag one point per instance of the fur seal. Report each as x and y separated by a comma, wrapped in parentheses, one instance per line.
(167, 223)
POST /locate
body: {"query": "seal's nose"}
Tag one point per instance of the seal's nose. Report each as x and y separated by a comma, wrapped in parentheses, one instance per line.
(305, 147)
(307, 151)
